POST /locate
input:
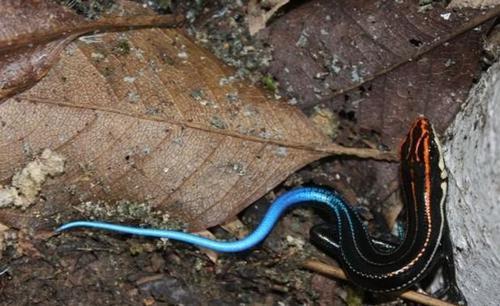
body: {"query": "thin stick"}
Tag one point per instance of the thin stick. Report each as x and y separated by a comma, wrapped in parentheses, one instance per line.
(336, 272)
(3, 271)
(100, 25)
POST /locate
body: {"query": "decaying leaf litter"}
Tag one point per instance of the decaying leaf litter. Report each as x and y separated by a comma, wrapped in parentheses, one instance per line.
(174, 280)
(201, 149)
(376, 95)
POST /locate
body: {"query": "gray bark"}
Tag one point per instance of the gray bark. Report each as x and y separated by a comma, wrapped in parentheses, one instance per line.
(473, 161)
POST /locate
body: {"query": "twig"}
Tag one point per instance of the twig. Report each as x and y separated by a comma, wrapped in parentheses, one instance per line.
(100, 25)
(336, 272)
(335, 149)
(3, 271)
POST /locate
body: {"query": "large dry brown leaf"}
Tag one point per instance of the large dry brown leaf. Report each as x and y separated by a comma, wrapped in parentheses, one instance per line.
(155, 124)
(147, 115)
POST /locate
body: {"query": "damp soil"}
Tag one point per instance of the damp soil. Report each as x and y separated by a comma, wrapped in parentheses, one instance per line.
(97, 268)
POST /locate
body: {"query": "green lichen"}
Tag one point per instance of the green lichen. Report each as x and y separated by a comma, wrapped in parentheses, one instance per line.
(354, 297)
(270, 83)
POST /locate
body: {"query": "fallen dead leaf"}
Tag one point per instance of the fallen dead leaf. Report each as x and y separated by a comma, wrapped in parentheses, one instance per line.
(377, 66)
(212, 255)
(147, 115)
(236, 228)
(163, 145)
(258, 16)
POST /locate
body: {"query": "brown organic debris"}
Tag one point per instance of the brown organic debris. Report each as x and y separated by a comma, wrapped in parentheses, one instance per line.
(212, 255)
(3, 230)
(259, 13)
(326, 121)
(376, 70)
(236, 228)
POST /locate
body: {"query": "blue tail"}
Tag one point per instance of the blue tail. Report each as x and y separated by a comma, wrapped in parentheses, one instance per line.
(282, 203)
